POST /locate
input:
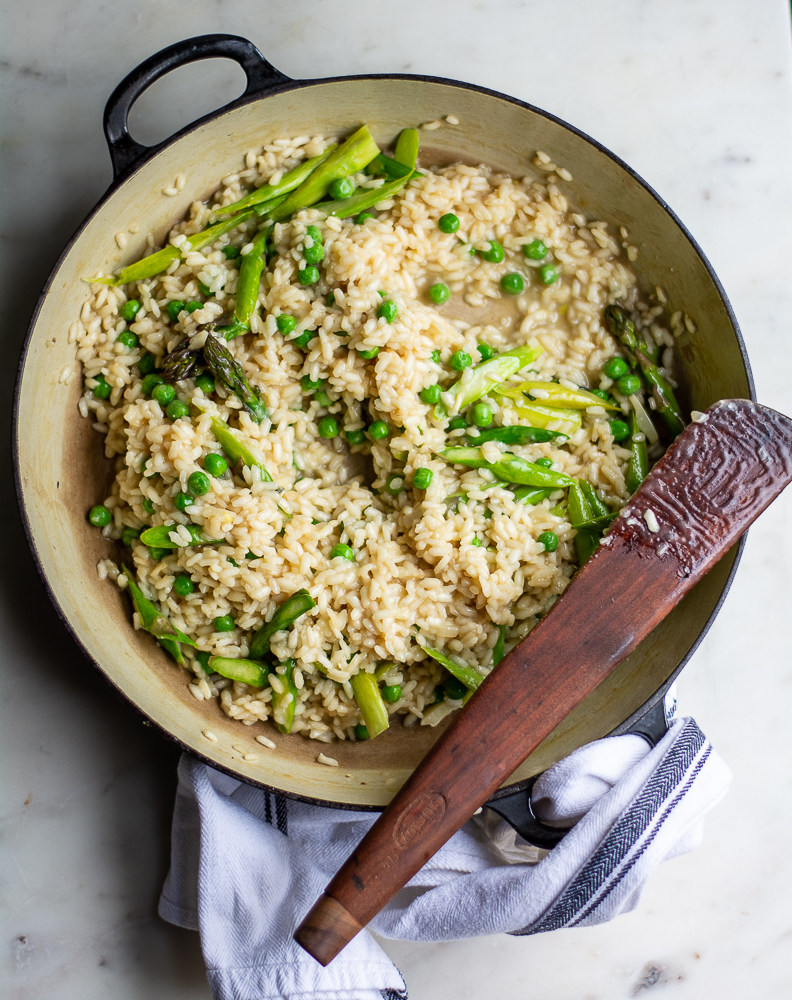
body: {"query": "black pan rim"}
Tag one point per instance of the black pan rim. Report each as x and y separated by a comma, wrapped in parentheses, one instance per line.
(145, 158)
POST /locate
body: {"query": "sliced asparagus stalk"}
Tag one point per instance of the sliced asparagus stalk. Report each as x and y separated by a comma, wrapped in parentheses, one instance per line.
(470, 677)
(270, 192)
(224, 366)
(286, 615)
(370, 702)
(159, 536)
(510, 468)
(237, 668)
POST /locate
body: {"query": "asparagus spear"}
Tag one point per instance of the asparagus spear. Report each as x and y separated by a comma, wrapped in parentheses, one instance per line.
(153, 620)
(499, 649)
(580, 514)
(238, 449)
(517, 434)
(565, 421)
(159, 536)
(510, 468)
(489, 375)
(351, 156)
(284, 702)
(250, 271)
(406, 151)
(180, 363)
(158, 262)
(598, 506)
(623, 328)
(384, 165)
(270, 192)
(470, 677)
(553, 394)
(286, 615)
(239, 669)
(370, 702)
(362, 199)
(530, 495)
(638, 464)
(224, 366)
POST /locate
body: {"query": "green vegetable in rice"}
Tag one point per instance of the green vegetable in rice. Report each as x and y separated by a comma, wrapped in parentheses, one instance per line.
(361, 732)
(250, 271)
(629, 384)
(285, 323)
(129, 310)
(151, 618)
(448, 223)
(535, 250)
(549, 274)
(378, 430)
(342, 187)
(531, 495)
(286, 615)
(370, 702)
(99, 516)
(127, 339)
(513, 283)
(638, 463)
(364, 198)
(177, 409)
(163, 394)
(392, 693)
(102, 388)
(494, 253)
(267, 193)
(328, 427)
(342, 551)
(619, 430)
(198, 484)
(224, 623)
(406, 150)
(351, 156)
(555, 395)
(509, 467)
(284, 702)
(439, 293)
(580, 515)
(430, 395)
(239, 450)
(224, 366)
(183, 585)
(422, 479)
(182, 501)
(469, 676)
(614, 368)
(239, 669)
(499, 649)
(205, 383)
(159, 536)
(215, 465)
(489, 376)
(481, 415)
(549, 539)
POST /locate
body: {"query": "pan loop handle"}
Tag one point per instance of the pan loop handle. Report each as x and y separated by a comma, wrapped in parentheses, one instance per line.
(125, 153)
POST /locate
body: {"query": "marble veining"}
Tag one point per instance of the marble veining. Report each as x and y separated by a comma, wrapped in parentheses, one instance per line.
(696, 96)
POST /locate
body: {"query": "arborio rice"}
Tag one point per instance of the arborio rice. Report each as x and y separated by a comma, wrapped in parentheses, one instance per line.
(455, 566)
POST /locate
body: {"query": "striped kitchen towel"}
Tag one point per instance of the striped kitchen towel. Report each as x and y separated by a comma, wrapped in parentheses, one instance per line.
(247, 865)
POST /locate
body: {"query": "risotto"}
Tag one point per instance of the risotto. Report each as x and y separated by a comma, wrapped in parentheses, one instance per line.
(367, 419)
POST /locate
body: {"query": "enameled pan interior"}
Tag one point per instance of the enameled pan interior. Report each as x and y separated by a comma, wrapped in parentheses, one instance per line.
(63, 472)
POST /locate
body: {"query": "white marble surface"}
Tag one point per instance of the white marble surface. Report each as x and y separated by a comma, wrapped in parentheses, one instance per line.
(695, 94)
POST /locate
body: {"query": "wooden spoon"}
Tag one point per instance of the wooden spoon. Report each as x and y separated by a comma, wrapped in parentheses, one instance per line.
(717, 477)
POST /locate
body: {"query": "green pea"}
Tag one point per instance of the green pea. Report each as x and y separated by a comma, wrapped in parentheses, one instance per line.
(309, 384)
(615, 367)
(481, 415)
(628, 384)
(205, 289)
(367, 355)
(361, 732)
(231, 252)
(495, 254)
(342, 187)
(438, 694)
(546, 463)
(513, 283)
(388, 311)
(183, 585)
(457, 423)
(476, 541)
(330, 300)
(460, 360)
(620, 430)
(205, 383)
(177, 409)
(193, 306)
(437, 357)
(343, 551)
(313, 254)
(215, 464)
(602, 394)
(100, 516)
(431, 394)
(304, 339)
(448, 223)
(392, 693)
(198, 484)
(355, 437)
(147, 364)
(308, 275)
(315, 233)
(163, 393)
(422, 479)
(322, 398)
(285, 323)
(328, 427)
(378, 430)
(535, 250)
(157, 554)
(454, 689)
(549, 273)
(148, 505)
(102, 389)
(485, 351)
(182, 501)
(173, 308)
(224, 623)
(128, 339)
(549, 539)
(360, 219)
(395, 484)
(439, 293)
(129, 310)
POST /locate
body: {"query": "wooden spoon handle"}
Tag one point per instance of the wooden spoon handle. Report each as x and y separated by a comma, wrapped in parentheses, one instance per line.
(712, 483)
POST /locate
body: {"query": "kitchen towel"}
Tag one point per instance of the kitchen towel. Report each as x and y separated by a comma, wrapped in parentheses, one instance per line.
(247, 865)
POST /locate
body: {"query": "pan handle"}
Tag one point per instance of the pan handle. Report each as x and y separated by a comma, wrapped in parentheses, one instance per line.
(516, 807)
(125, 153)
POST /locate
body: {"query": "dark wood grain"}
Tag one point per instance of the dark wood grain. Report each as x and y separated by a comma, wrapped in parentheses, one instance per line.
(712, 483)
